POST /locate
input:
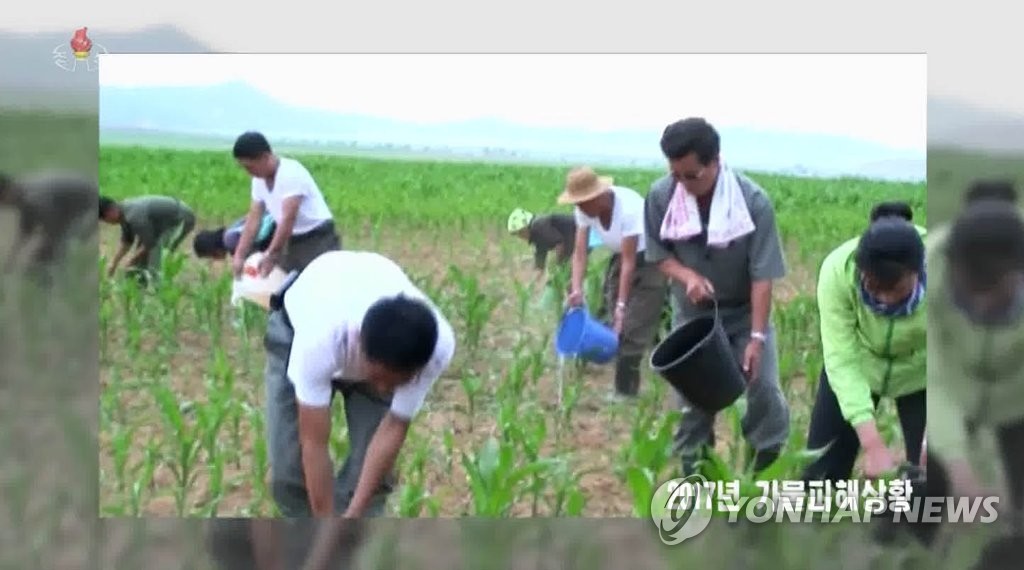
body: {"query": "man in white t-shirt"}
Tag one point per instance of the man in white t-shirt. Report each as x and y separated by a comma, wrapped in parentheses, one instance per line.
(351, 322)
(636, 289)
(284, 188)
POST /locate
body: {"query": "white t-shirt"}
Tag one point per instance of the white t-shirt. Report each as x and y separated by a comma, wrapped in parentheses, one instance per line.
(292, 179)
(326, 306)
(627, 220)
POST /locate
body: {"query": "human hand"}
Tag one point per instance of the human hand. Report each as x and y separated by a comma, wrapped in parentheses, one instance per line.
(619, 319)
(698, 287)
(752, 359)
(878, 460)
(267, 264)
(575, 298)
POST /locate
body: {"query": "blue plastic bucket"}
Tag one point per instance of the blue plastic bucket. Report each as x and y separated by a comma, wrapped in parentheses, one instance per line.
(582, 336)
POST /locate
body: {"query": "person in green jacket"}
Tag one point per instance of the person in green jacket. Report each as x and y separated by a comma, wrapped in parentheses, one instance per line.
(871, 299)
(976, 361)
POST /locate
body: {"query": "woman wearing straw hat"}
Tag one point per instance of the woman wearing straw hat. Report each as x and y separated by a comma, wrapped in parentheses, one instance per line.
(634, 288)
(871, 300)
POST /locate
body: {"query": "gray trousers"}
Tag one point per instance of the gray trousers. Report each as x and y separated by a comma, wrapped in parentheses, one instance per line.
(766, 422)
(363, 412)
(643, 308)
(169, 238)
(304, 248)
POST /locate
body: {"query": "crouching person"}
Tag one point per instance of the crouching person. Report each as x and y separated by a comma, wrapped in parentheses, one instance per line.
(351, 323)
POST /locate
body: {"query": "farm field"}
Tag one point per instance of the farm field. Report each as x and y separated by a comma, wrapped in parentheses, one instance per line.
(502, 434)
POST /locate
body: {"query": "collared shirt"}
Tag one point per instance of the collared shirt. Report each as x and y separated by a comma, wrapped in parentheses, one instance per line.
(326, 305)
(732, 269)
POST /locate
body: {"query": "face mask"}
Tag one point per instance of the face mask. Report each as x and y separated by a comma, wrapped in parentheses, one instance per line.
(901, 309)
(1010, 315)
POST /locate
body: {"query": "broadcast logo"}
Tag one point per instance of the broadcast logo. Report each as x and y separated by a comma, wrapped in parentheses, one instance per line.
(681, 508)
(79, 53)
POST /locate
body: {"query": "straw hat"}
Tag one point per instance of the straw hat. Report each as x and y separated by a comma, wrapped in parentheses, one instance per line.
(583, 184)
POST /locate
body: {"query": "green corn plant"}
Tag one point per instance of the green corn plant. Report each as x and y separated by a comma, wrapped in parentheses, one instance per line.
(471, 386)
(496, 478)
(647, 456)
(414, 496)
(568, 498)
(475, 307)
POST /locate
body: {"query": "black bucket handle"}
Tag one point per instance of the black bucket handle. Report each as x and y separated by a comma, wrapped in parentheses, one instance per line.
(714, 302)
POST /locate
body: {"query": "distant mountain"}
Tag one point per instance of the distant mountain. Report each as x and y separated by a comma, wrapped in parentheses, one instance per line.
(29, 78)
(956, 125)
(228, 109)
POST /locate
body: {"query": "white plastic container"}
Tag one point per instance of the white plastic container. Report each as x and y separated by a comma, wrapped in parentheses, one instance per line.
(254, 288)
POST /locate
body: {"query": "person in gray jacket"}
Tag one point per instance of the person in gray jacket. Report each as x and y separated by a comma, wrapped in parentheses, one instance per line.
(712, 232)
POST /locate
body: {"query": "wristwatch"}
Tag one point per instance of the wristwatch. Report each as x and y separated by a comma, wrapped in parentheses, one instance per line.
(758, 336)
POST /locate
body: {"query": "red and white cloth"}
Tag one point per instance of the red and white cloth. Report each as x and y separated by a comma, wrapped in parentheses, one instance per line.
(729, 218)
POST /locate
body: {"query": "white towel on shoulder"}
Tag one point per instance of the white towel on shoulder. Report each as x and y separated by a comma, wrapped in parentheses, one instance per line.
(729, 218)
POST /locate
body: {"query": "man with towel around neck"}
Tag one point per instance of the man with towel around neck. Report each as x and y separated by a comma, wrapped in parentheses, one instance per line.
(712, 233)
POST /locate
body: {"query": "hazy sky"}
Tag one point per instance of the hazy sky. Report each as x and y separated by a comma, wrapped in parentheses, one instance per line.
(967, 50)
(835, 94)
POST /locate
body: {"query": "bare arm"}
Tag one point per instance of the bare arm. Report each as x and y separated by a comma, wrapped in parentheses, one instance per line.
(760, 304)
(252, 224)
(579, 259)
(673, 269)
(627, 268)
(380, 459)
(314, 437)
(283, 233)
(767, 262)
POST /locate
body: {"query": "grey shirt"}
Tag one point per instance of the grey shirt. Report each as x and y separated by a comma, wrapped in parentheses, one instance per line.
(147, 218)
(548, 232)
(732, 269)
(58, 204)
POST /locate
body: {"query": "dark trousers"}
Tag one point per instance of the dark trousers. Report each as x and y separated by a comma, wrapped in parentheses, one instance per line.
(643, 313)
(304, 248)
(644, 307)
(828, 426)
(1011, 447)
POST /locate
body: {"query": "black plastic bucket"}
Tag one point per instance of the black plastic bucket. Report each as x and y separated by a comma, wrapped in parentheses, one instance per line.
(698, 361)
